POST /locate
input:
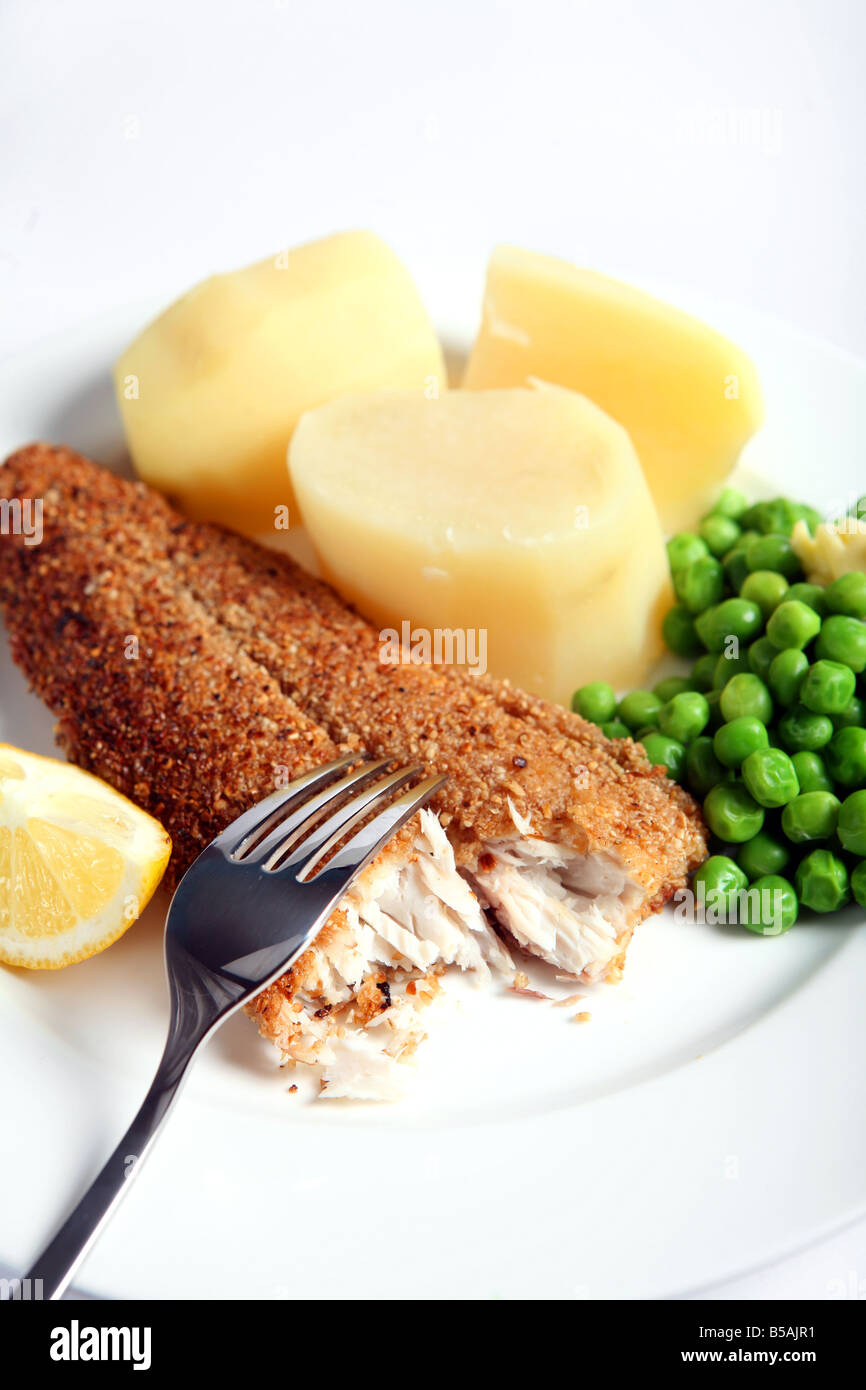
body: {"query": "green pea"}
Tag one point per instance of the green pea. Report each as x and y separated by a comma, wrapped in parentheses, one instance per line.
(684, 548)
(858, 883)
(847, 595)
(779, 515)
(639, 708)
(766, 588)
(769, 907)
(773, 553)
(828, 687)
(728, 666)
(853, 713)
(811, 772)
(761, 655)
(703, 769)
(716, 886)
(852, 823)
(720, 533)
(669, 687)
(732, 813)
(678, 631)
(747, 695)
(764, 854)
(703, 671)
(734, 617)
(734, 565)
(730, 502)
(843, 639)
(770, 776)
(793, 624)
(810, 594)
(666, 752)
(735, 740)
(717, 719)
(751, 517)
(684, 717)
(822, 881)
(810, 816)
(846, 757)
(699, 585)
(801, 729)
(614, 728)
(595, 702)
(785, 675)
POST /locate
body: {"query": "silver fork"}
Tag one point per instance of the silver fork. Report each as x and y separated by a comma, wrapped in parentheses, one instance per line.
(242, 913)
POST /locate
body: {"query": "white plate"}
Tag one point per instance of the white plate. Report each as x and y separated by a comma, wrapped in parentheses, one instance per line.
(708, 1119)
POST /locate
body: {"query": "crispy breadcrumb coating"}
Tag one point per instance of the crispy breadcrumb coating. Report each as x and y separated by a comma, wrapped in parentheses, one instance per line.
(512, 759)
(150, 693)
(498, 745)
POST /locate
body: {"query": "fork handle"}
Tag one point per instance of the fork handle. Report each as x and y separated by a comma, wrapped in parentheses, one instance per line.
(60, 1259)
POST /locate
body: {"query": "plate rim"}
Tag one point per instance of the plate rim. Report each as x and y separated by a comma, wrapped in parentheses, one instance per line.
(774, 1026)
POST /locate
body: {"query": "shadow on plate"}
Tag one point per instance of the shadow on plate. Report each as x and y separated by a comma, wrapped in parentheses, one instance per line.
(456, 358)
(88, 420)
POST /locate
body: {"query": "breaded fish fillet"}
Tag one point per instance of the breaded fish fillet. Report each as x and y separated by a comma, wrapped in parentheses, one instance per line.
(153, 695)
(570, 837)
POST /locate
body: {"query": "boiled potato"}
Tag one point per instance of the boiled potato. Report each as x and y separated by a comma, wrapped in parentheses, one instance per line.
(509, 531)
(689, 398)
(211, 391)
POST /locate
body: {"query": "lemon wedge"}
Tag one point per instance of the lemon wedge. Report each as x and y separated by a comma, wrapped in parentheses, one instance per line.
(78, 862)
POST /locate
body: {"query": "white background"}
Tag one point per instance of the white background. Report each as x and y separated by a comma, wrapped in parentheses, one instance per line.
(719, 147)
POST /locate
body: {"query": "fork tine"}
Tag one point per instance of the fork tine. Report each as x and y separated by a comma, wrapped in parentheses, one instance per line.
(285, 827)
(365, 845)
(323, 836)
(258, 817)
